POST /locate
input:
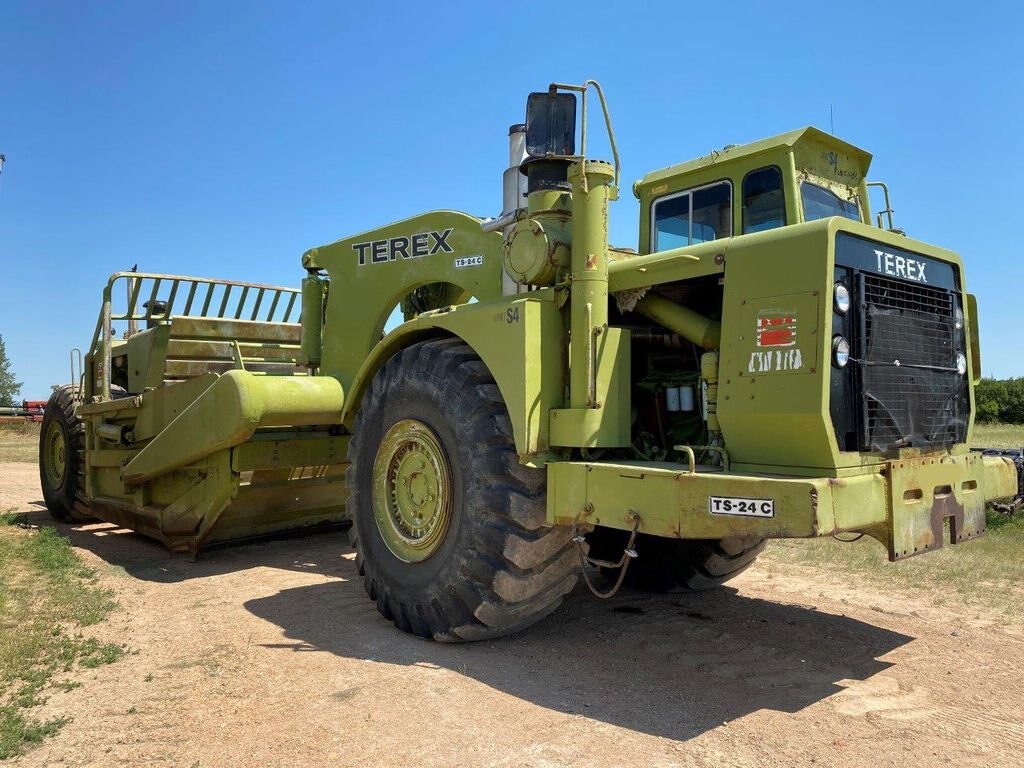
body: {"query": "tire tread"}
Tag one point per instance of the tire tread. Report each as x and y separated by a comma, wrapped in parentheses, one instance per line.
(517, 569)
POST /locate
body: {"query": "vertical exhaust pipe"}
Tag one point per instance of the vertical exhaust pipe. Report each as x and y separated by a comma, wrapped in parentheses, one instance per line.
(513, 193)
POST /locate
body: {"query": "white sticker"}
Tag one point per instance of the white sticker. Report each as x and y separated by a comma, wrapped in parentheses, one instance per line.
(731, 505)
(469, 261)
(774, 362)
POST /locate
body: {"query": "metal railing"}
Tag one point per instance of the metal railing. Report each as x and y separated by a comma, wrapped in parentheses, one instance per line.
(153, 298)
(582, 90)
(888, 211)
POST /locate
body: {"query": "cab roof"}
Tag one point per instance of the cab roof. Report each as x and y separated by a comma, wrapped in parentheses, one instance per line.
(764, 146)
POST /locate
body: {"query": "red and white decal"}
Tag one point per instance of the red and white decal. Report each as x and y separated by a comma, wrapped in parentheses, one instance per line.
(776, 328)
(776, 343)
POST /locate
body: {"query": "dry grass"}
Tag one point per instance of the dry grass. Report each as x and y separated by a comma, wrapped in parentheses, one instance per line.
(19, 442)
(999, 435)
(989, 571)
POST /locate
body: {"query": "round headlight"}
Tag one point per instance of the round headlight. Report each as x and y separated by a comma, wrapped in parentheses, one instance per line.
(841, 298)
(840, 351)
(958, 318)
(961, 363)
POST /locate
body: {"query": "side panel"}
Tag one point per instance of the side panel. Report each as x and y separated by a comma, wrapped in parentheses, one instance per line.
(372, 272)
(609, 425)
(147, 352)
(772, 402)
(161, 406)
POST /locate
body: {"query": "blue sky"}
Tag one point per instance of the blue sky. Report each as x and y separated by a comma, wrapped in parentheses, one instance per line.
(223, 139)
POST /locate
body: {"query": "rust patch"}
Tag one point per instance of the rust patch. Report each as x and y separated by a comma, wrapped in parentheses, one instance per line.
(944, 506)
(591, 261)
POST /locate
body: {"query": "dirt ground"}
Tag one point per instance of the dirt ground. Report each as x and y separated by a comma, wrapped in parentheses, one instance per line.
(271, 655)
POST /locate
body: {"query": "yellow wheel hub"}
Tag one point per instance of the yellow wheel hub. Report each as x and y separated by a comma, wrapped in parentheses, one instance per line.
(55, 453)
(412, 491)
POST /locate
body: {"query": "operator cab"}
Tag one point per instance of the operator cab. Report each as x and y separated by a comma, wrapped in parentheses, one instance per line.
(796, 177)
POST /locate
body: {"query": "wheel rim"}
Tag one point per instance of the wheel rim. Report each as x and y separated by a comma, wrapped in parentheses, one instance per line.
(56, 455)
(412, 491)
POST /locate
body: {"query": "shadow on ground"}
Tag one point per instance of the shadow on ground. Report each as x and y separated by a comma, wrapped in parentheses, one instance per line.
(672, 666)
(321, 552)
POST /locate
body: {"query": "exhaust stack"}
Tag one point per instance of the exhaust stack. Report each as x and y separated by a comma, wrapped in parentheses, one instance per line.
(513, 193)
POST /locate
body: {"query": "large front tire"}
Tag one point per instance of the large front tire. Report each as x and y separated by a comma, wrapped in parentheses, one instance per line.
(448, 526)
(62, 458)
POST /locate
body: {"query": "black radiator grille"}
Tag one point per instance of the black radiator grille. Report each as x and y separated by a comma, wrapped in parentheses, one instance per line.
(912, 391)
(895, 294)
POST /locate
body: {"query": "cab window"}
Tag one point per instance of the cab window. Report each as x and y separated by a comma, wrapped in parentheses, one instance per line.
(820, 203)
(694, 216)
(764, 206)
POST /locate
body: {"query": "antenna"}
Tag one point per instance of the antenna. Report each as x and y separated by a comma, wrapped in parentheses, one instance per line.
(831, 122)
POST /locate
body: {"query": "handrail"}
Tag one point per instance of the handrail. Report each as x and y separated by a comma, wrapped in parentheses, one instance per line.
(888, 206)
(582, 90)
(689, 451)
(162, 293)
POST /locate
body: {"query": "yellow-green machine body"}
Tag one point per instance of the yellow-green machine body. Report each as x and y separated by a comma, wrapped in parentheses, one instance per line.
(712, 384)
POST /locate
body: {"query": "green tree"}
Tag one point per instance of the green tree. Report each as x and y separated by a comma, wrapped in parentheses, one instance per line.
(9, 387)
(1000, 400)
(988, 397)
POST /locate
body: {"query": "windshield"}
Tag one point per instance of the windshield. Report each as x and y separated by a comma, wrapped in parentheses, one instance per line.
(820, 203)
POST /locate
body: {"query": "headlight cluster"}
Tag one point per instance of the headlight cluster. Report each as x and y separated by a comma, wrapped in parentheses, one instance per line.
(958, 323)
(840, 346)
(840, 351)
(841, 298)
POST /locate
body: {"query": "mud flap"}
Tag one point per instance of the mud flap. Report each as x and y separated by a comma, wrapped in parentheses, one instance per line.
(926, 493)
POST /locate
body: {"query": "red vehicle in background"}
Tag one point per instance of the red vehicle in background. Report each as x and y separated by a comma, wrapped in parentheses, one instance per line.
(29, 410)
(34, 409)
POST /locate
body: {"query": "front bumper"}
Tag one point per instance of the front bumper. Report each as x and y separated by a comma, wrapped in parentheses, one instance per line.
(905, 504)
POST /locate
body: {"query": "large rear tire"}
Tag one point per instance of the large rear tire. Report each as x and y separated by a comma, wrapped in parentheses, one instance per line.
(675, 565)
(448, 526)
(62, 458)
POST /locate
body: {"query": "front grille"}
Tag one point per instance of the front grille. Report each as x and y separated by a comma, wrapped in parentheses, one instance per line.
(909, 323)
(913, 395)
(894, 294)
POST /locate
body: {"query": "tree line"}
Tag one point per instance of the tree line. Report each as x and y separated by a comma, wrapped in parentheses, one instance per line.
(1000, 400)
(9, 386)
